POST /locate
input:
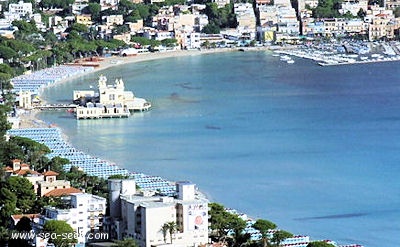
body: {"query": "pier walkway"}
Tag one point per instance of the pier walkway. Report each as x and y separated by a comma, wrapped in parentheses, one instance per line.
(55, 106)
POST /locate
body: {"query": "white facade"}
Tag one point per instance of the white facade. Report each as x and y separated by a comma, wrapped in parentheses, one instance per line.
(192, 41)
(20, 9)
(353, 6)
(84, 216)
(114, 20)
(142, 216)
(78, 5)
(106, 4)
(161, 35)
(221, 3)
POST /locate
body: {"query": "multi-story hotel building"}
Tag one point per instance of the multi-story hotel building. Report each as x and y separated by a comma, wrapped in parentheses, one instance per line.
(141, 216)
(85, 215)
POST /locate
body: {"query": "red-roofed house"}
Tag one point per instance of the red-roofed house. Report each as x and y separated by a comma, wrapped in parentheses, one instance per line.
(22, 169)
(16, 218)
(62, 192)
(50, 184)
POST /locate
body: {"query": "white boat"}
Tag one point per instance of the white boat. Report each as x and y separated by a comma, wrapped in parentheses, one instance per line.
(291, 61)
(285, 58)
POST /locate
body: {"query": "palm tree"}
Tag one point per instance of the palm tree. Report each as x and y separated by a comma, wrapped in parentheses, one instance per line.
(164, 229)
(172, 228)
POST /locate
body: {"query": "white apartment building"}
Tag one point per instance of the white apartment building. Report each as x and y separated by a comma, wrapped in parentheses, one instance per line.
(78, 5)
(268, 14)
(107, 4)
(221, 3)
(353, 6)
(141, 216)
(190, 40)
(161, 35)
(245, 17)
(16, 11)
(302, 4)
(287, 20)
(111, 20)
(85, 215)
(285, 3)
(20, 8)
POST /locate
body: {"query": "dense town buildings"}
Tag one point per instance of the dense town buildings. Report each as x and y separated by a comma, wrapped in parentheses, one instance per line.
(274, 19)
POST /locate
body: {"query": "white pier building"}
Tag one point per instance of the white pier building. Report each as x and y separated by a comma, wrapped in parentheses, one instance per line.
(110, 101)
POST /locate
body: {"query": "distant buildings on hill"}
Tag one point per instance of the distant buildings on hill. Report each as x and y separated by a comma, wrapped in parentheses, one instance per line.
(266, 21)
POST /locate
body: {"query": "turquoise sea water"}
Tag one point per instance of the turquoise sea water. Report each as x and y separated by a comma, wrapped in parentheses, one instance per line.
(314, 149)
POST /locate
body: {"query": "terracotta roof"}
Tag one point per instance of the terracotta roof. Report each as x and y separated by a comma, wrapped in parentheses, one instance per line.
(50, 173)
(21, 172)
(24, 165)
(62, 192)
(8, 169)
(16, 160)
(381, 15)
(19, 216)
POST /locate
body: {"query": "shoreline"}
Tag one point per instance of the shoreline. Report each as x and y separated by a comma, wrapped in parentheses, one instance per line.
(108, 63)
(29, 118)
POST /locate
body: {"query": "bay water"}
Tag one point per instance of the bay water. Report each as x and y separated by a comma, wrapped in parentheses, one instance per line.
(314, 149)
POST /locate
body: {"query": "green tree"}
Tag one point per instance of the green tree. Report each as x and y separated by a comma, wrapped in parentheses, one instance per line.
(264, 226)
(80, 28)
(396, 12)
(127, 242)
(361, 13)
(57, 164)
(281, 235)
(59, 227)
(146, 11)
(4, 236)
(5, 83)
(211, 28)
(223, 222)
(7, 53)
(125, 6)
(327, 9)
(133, 16)
(25, 27)
(6, 69)
(169, 42)
(24, 225)
(120, 29)
(34, 152)
(319, 244)
(94, 10)
(23, 190)
(20, 46)
(8, 200)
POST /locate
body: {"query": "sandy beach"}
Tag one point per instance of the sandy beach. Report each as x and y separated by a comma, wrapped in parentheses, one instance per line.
(28, 118)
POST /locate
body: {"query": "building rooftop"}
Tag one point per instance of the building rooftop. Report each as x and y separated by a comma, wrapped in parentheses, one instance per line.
(62, 192)
(50, 173)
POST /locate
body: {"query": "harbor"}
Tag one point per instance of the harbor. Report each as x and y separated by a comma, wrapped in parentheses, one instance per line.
(344, 54)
